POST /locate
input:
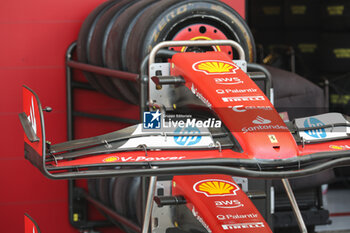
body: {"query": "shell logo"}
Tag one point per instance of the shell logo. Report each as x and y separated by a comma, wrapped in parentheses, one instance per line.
(214, 187)
(110, 159)
(342, 147)
(336, 147)
(214, 67)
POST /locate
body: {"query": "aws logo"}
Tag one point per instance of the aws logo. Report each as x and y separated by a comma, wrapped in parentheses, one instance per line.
(215, 187)
(213, 67)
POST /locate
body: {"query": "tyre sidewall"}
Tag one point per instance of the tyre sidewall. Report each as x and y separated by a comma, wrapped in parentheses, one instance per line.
(178, 13)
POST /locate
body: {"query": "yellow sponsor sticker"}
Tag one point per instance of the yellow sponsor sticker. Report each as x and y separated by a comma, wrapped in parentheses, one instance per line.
(212, 67)
(273, 138)
(215, 187)
(111, 159)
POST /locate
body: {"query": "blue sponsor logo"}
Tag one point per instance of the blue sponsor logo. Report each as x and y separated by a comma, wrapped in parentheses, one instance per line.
(189, 138)
(152, 120)
(315, 133)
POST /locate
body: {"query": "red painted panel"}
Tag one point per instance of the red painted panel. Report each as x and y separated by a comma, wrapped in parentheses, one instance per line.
(238, 5)
(25, 184)
(11, 138)
(55, 126)
(33, 54)
(22, 53)
(51, 216)
(46, 11)
(103, 104)
(85, 127)
(48, 83)
(36, 34)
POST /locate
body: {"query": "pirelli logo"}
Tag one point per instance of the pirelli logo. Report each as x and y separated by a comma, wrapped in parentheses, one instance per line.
(243, 226)
(243, 98)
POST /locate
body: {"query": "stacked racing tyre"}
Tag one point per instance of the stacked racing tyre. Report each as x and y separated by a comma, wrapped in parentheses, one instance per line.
(119, 34)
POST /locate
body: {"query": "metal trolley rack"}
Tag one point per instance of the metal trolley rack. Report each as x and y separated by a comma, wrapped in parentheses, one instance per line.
(77, 197)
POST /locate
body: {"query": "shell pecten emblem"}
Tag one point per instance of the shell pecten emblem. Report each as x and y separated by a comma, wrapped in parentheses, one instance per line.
(215, 67)
(336, 147)
(110, 159)
(215, 187)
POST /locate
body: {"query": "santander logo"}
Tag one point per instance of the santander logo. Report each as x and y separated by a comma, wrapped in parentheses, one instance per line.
(261, 121)
(31, 117)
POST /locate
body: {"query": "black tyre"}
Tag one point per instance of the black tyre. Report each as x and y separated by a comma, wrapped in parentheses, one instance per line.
(126, 198)
(97, 45)
(134, 200)
(92, 187)
(114, 51)
(84, 39)
(138, 204)
(168, 18)
(120, 194)
(124, 34)
(102, 186)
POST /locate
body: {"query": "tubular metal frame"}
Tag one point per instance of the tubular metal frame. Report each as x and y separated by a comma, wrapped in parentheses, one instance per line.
(75, 193)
